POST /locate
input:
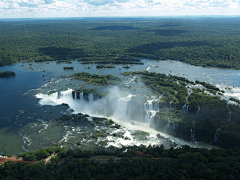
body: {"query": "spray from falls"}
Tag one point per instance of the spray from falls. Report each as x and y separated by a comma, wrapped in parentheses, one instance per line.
(116, 105)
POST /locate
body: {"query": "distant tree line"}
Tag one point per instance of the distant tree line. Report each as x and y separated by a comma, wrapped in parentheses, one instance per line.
(202, 42)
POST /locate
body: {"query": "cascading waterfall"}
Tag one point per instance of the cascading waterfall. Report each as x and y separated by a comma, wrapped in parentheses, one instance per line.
(185, 108)
(192, 132)
(168, 124)
(121, 109)
(229, 113)
(173, 125)
(90, 97)
(151, 108)
(81, 96)
(229, 116)
(59, 94)
(216, 135)
(198, 111)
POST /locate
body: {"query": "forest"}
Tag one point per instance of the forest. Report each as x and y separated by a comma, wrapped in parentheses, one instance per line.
(200, 41)
(180, 163)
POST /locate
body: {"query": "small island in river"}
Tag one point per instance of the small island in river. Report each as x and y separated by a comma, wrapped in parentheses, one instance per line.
(6, 74)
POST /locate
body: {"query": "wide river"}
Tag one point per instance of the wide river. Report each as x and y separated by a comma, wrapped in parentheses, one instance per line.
(29, 109)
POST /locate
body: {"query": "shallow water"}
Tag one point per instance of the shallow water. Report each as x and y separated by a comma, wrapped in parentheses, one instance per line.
(27, 125)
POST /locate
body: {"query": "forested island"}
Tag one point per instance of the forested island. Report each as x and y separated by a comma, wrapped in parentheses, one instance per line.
(6, 74)
(198, 41)
(98, 79)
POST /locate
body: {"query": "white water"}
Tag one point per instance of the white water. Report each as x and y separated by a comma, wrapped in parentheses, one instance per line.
(117, 106)
(151, 107)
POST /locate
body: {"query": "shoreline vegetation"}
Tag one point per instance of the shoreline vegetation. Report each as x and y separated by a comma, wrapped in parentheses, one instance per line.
(207, 42)
(136, 162)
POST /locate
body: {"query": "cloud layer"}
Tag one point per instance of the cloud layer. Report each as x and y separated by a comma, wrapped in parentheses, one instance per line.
(93, 8)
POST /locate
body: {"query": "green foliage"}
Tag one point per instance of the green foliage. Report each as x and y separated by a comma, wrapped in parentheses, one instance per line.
(102, 66)
(68, 67)
(207, 85)
(6, 74)
(181, 163)
(235, 100)
(98, 79)
(41, 154)
(198, 41)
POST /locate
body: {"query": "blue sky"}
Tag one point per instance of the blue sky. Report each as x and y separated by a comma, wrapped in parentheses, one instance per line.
(96, 8)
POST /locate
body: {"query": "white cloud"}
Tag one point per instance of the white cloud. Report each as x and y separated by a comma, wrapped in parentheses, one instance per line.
(99, 2)
(49, 8)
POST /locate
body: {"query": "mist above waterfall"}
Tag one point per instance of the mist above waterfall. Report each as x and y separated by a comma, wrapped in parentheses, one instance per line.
(117, 104)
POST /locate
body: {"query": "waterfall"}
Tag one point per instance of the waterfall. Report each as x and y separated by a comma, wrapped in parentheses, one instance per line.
(173, 125)
(170, 104)
(90, 97)
(229, 113)
(81, 96)
(74, 95)
(168, 124)
(192, 133)
(185, 108)
(122, 108)
(151, 108)
(216, 135)
(59, 94)
(229, 116)
(198, 111)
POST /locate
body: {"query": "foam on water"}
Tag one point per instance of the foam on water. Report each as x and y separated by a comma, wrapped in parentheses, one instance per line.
(115, 106)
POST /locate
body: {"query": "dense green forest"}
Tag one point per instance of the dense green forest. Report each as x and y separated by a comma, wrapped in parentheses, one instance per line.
(199, 41)
(181, 163)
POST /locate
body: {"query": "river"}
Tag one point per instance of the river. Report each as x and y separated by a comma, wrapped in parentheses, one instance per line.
(29, 112)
